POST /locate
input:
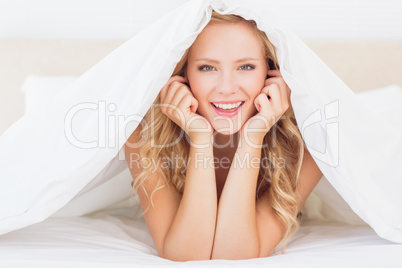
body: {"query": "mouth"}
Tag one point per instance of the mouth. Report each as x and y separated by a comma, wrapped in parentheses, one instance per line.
(227, 109)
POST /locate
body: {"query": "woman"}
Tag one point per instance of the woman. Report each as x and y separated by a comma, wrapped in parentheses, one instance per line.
(218, 162)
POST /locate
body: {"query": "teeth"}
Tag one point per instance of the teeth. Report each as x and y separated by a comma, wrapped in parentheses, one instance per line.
(227, 106)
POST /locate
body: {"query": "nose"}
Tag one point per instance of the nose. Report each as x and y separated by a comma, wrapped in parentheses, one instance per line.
(227, 84)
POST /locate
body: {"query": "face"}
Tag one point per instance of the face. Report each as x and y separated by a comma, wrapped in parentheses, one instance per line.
(226, 67)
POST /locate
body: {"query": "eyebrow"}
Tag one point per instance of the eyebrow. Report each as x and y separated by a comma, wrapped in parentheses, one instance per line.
(239, 60)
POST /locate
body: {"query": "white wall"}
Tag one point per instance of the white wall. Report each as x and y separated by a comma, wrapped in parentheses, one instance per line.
(342, 19)
(120, 19)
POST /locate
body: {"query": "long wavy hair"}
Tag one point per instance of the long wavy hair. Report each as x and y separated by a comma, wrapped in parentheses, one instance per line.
(284, 138)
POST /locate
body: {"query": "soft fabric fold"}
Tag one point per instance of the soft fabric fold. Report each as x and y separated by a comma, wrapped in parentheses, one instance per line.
(50, 156)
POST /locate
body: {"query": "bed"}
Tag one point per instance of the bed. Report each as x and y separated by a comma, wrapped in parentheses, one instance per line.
(33, 71)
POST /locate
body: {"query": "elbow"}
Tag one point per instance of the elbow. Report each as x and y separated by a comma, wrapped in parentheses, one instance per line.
(266, 251)
(185, 250)
(264, 254)
(231, 254)
(188, 255)
(184, 258)
(240, 248)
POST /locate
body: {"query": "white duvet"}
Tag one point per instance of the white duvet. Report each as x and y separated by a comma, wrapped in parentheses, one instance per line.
(57, 159)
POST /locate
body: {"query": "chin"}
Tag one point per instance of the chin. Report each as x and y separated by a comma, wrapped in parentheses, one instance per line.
(226, 125)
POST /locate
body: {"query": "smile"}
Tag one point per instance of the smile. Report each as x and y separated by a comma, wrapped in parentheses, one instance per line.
(227, 109)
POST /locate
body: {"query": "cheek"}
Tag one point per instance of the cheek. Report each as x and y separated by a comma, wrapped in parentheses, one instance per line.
(200, 87)
(254, 84)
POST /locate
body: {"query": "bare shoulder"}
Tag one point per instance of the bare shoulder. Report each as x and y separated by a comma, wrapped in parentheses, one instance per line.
(160, 213)
(309, 177)
(132, 151)
(134, 138)
(270, 228)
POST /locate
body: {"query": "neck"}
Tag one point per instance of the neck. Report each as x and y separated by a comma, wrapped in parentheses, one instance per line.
(222, 141)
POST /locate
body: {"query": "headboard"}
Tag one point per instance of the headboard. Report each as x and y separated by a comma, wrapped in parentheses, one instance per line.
(362, 65)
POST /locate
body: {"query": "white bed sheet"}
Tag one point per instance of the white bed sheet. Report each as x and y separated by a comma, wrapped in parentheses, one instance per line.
(107, 240)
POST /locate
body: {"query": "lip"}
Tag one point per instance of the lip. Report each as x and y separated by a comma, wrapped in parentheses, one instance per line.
(227, 101)
(228, 113)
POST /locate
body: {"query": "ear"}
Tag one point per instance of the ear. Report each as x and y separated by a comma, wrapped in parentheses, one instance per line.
(268, 68)
(184, 74)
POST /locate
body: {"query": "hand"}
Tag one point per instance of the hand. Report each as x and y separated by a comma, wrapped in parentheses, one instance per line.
(271, 104)
(178, 103)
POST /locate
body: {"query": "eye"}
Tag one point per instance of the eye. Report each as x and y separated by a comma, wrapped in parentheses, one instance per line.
(205, 68)
(247, 67)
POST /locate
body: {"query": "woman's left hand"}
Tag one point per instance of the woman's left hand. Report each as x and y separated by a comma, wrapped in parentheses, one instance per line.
(271, 104)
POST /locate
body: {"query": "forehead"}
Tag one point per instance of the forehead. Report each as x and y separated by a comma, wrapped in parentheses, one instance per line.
(227, 40)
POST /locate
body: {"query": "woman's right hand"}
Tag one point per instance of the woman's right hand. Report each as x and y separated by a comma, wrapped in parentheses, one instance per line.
(178, 103)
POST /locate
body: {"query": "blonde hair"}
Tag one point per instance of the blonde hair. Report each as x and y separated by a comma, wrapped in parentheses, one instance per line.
(284, 139)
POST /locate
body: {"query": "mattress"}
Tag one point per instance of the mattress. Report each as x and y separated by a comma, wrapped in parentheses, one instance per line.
(117, 240)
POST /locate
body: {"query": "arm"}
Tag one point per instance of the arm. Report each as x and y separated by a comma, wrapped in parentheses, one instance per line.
(269, 228)
(236, 234)
(191, 233)
(182, 227)
(246, 231)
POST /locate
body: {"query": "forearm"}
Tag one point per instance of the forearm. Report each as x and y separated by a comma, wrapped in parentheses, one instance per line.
(191, 234)
(236, 234)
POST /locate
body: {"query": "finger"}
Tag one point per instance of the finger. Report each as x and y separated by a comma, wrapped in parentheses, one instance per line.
(168, 94)
(179, 95)
(271, 91)
(168, 83)
(257, 103)
(194, 104)
(266, 110)
(281, 100)
(262, 104)
(172, 90)
(165, 88)
(274, 94)
(274, 73)
(284, 92)
(185, 80)
(188, 103)
(272, 80)
(284, 89)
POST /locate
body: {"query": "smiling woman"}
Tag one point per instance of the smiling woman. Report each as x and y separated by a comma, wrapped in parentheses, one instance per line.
(214, 186)
(221, 75)
(226, 100)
